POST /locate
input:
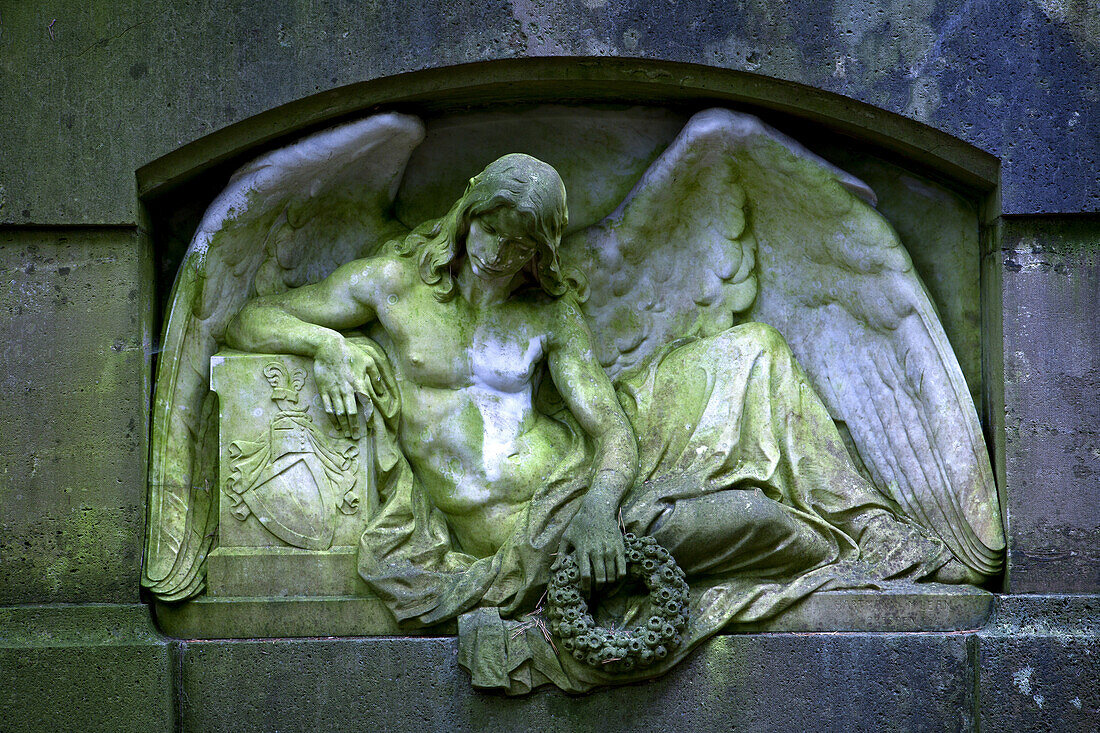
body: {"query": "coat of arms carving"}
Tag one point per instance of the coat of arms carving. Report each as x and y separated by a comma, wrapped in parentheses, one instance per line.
(291, 477)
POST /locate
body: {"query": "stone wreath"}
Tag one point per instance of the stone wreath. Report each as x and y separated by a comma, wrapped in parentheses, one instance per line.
(620, 650)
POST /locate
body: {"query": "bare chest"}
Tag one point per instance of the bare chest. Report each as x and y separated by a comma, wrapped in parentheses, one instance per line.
(452, 345)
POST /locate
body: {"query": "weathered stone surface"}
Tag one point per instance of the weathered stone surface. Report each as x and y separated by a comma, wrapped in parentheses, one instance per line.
(1051, 277)
(766, 682)
(1017, 78)
(217, 617)
(75, 315)
(93, 90)
(897, 607)
(84, 668)
(1039, 665)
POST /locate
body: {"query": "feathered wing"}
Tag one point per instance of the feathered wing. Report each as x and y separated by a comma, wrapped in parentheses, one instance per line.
(288, 218)
(736, 222)
(675, 260)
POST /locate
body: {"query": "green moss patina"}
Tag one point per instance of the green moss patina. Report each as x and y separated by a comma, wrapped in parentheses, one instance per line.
(526, 388)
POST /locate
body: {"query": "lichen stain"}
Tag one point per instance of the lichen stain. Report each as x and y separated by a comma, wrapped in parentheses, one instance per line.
(1080, 18)
(1022, 679)
(877, 40)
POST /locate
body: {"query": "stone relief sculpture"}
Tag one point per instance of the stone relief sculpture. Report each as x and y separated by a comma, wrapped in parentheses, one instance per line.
(266, 476)
(524, 398)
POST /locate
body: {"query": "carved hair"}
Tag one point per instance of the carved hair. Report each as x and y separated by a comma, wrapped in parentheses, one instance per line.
(518, 181)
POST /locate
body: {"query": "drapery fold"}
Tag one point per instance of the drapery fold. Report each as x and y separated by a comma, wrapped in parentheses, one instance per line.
(743, 477)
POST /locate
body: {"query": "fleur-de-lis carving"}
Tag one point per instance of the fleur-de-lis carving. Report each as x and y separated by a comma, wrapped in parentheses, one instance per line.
(284, 386)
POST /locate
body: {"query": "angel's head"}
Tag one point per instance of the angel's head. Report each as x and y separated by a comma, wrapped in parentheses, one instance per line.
(510, 219)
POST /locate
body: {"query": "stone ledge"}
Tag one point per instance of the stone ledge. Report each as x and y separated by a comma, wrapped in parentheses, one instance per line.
(1046, 615)
(897, 607)
(94, 667)
(77, 624)
(290, 617)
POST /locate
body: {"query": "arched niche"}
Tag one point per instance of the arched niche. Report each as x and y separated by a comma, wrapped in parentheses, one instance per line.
(940, 193)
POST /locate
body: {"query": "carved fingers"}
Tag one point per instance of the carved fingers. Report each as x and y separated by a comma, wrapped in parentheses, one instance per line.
(341, 373)
(598, 547)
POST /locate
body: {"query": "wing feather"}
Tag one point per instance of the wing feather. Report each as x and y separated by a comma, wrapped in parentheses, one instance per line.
(836, 281)
(736, 220)
(682, 272)
(289, 217)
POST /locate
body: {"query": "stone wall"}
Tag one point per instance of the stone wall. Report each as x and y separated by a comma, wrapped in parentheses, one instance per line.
(106, 108)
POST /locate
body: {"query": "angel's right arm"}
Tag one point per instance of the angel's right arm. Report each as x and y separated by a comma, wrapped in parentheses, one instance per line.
(307, 320)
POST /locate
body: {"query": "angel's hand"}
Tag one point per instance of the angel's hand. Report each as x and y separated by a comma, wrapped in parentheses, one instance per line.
(341, 372)
(599, 547)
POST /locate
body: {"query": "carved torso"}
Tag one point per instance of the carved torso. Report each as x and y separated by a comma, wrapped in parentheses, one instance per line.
(468, 423)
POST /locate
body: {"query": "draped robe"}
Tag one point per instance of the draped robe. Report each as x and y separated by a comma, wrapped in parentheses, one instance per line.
(743, 477)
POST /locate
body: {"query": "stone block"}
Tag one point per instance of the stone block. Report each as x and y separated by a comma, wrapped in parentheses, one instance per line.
(896, 607)
(283, 571)
(209, 617)
(84, 668)
(70, 149)
(1051, 288)
(1039, 665)
(75, 338)
(755, 682)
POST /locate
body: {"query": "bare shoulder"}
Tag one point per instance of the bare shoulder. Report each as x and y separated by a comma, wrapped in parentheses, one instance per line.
(385, 273)
(566, 323)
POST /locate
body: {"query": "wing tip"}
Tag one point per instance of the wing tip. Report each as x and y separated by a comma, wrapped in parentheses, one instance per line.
(740, 125)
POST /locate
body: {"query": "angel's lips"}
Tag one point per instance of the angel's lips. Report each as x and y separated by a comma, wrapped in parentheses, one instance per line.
(482, 267)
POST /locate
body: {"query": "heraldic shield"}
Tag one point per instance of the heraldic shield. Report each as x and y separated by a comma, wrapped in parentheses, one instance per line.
(291, 479)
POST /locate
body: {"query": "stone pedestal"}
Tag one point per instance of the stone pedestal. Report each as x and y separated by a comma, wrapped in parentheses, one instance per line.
(294, 497)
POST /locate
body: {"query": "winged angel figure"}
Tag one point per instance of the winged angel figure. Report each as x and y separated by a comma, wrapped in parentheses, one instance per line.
(678, 369)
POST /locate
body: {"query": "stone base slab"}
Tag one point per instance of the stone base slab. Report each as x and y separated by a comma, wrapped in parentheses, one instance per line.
(749, 682)
(1035, 665)
(894, 608)
(247, 618)
(257, 572)
(87, 667)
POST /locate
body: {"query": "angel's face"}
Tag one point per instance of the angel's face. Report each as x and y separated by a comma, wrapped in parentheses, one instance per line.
(499, 244)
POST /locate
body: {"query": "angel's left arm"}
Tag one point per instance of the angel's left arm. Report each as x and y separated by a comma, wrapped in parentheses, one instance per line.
(588, 393)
